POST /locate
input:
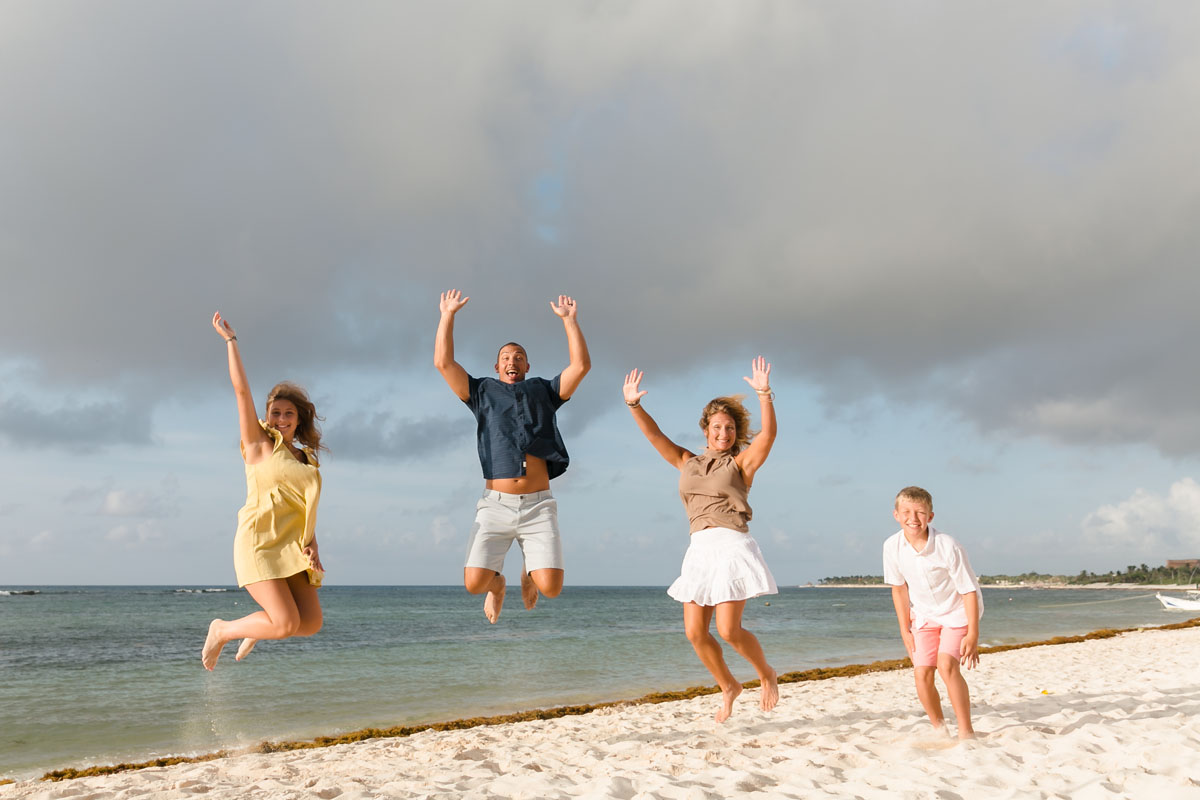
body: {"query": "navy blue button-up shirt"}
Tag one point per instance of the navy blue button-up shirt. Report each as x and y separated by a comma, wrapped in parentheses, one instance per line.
(515, 419)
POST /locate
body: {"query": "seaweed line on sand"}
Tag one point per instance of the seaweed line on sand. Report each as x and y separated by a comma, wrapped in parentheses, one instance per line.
(818, 674)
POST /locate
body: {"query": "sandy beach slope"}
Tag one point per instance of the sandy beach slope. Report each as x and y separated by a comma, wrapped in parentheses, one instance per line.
(1111, 718)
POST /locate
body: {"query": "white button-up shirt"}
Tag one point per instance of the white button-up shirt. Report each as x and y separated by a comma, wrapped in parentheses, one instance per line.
(937, 577)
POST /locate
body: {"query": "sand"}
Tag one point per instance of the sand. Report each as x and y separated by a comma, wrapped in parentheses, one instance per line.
(1106, 718)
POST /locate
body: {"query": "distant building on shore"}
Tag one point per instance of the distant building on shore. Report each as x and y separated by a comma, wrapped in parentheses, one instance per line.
(1183, 563)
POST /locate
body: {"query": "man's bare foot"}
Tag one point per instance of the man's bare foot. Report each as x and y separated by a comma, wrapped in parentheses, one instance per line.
(770, 691)
(529, 592)
(244, 648)
(212, 645)
(494, 603)
(727, 698)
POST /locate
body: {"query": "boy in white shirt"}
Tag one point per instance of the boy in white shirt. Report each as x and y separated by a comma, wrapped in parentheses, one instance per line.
(938, 605)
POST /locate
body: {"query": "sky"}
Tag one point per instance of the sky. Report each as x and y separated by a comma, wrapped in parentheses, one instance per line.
(964, 235)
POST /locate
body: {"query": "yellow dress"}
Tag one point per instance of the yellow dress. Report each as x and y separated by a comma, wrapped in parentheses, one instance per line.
(279, 517)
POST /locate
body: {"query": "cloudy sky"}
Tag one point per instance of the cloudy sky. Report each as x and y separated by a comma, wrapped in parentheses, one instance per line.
(964, 234)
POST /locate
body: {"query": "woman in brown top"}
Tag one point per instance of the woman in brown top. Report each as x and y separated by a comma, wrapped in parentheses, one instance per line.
(723, 567)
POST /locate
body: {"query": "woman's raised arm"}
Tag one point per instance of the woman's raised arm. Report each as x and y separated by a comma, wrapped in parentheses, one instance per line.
(673, 453)
(755, 454)
(255, 441)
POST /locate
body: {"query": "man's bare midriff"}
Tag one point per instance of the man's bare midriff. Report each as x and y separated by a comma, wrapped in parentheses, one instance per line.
(535, 479)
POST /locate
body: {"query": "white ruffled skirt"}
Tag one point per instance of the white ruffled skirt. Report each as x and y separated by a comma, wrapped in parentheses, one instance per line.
(722, 566)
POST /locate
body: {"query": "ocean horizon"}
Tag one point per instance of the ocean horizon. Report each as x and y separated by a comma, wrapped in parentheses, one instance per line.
(97, 675)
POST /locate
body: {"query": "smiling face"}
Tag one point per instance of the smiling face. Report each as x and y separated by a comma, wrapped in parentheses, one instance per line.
(726, 424)
(512, 364)
(283, 417)
(721, 433)
(914, 517)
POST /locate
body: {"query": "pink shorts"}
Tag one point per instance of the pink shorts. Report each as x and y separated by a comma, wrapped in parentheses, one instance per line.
(934, 639)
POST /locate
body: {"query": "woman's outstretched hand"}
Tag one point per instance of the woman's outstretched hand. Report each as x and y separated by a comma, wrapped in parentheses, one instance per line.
(632, 390)
(222, 327)
(761, 372)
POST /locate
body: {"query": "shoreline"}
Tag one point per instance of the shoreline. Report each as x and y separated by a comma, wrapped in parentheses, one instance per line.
(558, 712)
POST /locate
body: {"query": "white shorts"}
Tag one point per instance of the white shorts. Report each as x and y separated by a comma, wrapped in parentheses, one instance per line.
(529, 519)
(722, 566)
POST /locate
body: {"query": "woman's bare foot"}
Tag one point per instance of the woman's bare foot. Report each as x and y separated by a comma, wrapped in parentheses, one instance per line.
(213, 643)
(529, 592)
(770, 691)
(727, 698)
(494, 603)
(244, 648)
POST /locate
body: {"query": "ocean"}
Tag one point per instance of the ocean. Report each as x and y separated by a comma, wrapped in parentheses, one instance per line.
(106, 674)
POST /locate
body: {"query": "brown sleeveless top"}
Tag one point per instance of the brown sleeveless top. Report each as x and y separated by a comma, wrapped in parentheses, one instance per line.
(714, 492)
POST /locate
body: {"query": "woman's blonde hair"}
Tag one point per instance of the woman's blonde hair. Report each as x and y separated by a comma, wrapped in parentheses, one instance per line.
(308, 432)
(732, 406)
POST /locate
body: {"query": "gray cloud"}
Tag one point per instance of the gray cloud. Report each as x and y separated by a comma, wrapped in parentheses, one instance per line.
(386, 436)
(959, 464)
(80, 425)
(973, 207)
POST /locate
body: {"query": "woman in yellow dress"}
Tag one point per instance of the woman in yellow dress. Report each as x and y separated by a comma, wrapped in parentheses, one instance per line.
(275, 548)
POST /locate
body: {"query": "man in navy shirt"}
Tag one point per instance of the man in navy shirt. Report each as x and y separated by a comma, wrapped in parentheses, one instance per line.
(520, 450)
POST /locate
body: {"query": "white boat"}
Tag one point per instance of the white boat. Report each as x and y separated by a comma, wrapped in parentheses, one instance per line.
(1189, 603)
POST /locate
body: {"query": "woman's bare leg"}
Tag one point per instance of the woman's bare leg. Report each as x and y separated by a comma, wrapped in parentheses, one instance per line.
(308, 603)
(290, 607)
(244, 648)
(729, 626)
(696, 619)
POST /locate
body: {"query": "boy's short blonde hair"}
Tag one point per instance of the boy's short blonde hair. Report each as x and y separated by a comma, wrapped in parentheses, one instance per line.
(914, 494)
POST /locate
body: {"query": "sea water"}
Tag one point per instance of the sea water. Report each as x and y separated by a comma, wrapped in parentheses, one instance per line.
(100, 675)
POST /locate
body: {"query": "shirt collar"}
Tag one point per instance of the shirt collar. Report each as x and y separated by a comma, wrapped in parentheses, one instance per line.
(928, 542)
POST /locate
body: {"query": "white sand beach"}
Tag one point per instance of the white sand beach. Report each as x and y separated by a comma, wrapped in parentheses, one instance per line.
(1109, 718)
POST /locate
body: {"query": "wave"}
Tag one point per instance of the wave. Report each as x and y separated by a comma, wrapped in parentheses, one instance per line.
(199, 591)
(7, 592)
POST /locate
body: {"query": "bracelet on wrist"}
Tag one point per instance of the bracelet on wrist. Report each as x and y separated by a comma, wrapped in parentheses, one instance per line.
(768, 395)
(634, 404)
(229, 339)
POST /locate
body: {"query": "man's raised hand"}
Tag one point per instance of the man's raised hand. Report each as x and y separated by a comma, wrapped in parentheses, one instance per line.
(565, 308)
(452, 301)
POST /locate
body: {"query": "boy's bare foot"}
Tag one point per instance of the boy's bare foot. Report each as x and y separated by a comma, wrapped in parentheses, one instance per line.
(529, 592)
(770, 691)
(494, 603)
(212, 646)
(244, 648)
(727, 698)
